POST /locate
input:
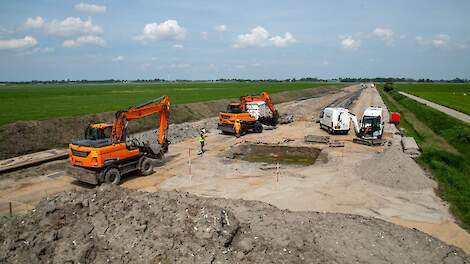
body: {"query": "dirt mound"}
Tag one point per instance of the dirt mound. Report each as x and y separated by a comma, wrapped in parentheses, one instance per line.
(25, 137)
(393, 169)
(115, 225)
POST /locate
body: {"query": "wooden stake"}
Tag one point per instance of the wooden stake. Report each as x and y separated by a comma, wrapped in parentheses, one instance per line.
(11, 209)
(189, 163)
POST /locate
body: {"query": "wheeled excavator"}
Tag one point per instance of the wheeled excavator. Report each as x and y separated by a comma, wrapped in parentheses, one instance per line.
(106, 153)
(248, 115)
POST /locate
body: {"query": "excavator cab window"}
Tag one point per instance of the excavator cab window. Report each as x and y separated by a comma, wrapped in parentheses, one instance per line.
(94, 133)
(234, 109)
(371, 121)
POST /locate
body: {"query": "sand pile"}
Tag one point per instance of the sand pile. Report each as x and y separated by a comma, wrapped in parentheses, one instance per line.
(393, 169)
(116, 225)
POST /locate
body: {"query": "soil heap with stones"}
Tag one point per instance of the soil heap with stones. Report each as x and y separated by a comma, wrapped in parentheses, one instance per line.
(115, 225)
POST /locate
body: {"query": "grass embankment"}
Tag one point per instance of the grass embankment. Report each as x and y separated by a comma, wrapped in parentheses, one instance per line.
(445, 143)
(452, 95)
(38, 102)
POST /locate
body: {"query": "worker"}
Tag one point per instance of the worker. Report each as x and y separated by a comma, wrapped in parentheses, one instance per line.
(202, 138)
(236, 127)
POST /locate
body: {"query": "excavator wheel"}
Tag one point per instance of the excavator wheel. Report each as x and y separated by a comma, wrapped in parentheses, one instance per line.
(112, 176)
(146, 167)
(259, 128)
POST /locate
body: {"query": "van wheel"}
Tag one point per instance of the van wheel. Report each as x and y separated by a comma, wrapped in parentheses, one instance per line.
(112, 176)
(146, 167)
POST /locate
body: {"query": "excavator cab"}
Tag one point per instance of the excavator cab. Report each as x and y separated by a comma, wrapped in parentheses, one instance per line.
(98, 131)
(234, 108)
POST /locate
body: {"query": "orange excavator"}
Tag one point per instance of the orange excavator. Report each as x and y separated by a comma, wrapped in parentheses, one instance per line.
(248, 115)
(106, 154)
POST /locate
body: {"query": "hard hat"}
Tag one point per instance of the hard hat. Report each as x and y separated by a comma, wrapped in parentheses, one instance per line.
(203, 130)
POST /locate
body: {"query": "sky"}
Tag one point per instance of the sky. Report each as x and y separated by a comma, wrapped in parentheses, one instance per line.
(253, 39)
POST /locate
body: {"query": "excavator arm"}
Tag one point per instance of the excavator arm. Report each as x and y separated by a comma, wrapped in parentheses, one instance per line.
(160, 105)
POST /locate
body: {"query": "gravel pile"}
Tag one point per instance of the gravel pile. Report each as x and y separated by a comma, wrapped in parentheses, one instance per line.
(116, 225)
(394, 169)
(179, 132)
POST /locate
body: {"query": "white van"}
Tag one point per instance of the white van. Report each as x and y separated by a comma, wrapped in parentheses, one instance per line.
(335, 120)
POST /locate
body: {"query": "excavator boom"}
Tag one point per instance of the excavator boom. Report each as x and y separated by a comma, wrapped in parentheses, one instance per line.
(160, 105)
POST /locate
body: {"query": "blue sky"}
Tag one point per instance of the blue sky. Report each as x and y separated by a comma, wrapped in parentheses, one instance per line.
(46, 39)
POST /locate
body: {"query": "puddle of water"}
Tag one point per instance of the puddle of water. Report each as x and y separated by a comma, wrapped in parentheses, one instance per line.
(273, 154)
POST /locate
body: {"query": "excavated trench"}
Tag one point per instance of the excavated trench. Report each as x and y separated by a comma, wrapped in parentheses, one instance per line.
(290, 155)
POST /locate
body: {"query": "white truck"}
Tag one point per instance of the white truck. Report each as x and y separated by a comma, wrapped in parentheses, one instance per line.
(338, 121)
(372, 123)
(257, 109)
(335, 120)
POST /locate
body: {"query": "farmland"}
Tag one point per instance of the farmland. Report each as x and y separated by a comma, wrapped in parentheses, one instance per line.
(38, 102)
(445, 144)
(455, 96)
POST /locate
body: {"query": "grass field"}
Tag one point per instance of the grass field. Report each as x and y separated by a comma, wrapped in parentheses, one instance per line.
(455, 96)
(445, 143)
(36, 102)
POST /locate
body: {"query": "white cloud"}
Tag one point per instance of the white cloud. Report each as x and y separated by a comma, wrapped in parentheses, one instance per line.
(204, 35)
(180, 65)
(38, 50)
(167, 30)
(85, 40)
(119, 58)
(220, 28)
(259, 37)
(20, 43)
(385, 34)
(178, 46)
(36, 22)
(440, 41)
(90, 8)
(280, 42)
(70, 26)
(349, 43)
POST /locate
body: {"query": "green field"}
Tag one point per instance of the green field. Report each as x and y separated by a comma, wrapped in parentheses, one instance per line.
(36, 102)
(455, 96)
(445, 145)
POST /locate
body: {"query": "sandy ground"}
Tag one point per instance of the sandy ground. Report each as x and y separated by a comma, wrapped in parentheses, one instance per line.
(330, 185)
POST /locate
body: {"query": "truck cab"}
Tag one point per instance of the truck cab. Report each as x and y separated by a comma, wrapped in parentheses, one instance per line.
(372, 123)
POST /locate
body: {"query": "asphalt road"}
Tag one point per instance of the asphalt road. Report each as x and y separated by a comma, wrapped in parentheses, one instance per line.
(459, 115)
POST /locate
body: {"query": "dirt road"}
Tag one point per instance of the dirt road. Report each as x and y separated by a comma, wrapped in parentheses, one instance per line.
(456, 114)
(336, 183)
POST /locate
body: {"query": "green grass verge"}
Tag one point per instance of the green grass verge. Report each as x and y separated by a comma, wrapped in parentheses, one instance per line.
(36, 102)
(452, 95)
(445, 143)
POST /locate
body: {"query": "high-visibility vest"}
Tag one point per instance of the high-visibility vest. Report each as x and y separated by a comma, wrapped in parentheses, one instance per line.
(201, 138)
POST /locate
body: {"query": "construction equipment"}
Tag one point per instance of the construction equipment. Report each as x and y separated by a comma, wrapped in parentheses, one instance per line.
(248, 115)
(371, 126)
(337, 120)
(105, 154)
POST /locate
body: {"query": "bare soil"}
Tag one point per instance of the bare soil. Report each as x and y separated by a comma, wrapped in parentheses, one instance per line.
(116, 225)
(332, 184)
(24, 137)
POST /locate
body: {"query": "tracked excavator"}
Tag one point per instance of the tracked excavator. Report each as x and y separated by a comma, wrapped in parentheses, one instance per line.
(106, 153)
(248, 115)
